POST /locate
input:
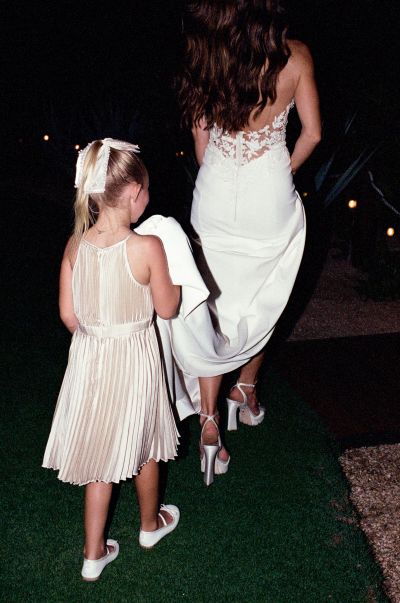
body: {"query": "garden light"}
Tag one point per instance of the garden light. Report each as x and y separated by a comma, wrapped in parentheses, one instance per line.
(352, 204)
(390, 232)
(46, 137)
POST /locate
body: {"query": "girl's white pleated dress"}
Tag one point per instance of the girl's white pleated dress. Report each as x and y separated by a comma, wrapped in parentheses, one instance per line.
(113, 413)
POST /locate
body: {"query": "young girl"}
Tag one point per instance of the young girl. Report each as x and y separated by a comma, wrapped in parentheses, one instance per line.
(113, 419)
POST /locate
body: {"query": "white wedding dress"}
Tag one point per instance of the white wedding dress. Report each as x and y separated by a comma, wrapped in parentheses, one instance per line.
(251, 229)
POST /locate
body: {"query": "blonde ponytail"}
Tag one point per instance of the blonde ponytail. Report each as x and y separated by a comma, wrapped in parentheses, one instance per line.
(121, 166)
(85, 207)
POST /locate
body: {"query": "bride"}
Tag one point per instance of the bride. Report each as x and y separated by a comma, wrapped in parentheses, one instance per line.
(240, 79)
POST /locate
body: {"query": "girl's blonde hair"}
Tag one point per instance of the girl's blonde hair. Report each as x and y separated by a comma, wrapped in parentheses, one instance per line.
(123, 168)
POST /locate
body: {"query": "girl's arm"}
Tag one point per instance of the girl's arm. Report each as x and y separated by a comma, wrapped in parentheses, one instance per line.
(201, 136)
(66, 305)
(307, 104)
(166, 296)
(149, 266)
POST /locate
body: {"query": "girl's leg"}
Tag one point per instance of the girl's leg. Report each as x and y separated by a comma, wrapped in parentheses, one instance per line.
(248, 374)
(97, 502)
(146, 484)
(209, 389)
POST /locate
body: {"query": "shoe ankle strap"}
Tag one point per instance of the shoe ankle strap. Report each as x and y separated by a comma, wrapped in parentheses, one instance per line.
(164, 522)
(239, 385)
(209, 417)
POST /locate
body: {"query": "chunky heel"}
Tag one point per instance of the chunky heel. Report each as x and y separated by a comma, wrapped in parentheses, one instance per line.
(210, 463)
(210, 454)
(233, 408)
(246, 416)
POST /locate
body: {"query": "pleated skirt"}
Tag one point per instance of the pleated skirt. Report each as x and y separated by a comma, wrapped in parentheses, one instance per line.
(113, 414)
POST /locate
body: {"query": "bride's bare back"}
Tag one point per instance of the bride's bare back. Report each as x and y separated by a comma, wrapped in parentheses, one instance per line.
(295, 82)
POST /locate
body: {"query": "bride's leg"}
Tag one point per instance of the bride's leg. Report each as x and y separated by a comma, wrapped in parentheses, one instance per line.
(209, 390)
(248, 374)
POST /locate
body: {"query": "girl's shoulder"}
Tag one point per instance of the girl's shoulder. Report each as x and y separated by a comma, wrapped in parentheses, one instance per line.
(144, 242)
(147, 247)
(145, 253)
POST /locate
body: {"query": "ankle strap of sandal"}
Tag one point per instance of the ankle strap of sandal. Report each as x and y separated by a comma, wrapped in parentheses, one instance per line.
(209, 417)
(238, 385)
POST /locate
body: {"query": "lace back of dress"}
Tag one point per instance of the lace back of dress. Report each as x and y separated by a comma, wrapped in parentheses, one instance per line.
(246, 145)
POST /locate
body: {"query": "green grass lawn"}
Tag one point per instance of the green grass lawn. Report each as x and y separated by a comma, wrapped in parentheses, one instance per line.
(277, 528)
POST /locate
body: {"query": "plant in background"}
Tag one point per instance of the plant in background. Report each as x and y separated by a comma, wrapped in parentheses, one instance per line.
(360, 176)
(382, 278)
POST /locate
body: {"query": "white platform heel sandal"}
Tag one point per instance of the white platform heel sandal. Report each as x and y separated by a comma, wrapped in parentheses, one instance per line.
(210, 463)
(246, 416)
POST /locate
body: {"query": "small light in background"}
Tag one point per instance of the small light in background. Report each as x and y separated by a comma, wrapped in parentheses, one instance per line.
(390, 232)
(77, 147)
(182, 153)
(305, 194)
(46, 137)
(352, 204)
(177, 153)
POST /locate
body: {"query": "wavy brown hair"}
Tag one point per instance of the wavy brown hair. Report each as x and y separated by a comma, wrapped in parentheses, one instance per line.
(233, 53)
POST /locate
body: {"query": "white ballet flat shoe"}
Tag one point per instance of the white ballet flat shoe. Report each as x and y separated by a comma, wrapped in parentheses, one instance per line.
(92, 568)
(210, 463)
(246, 416)
(148, 539)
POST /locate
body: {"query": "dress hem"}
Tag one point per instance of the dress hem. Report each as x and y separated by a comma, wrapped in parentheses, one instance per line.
(123, 478)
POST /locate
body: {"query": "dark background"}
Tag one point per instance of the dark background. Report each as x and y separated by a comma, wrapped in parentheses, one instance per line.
(71, 57)
(84, 70)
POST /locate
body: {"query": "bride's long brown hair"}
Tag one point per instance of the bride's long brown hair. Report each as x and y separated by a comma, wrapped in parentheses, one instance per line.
(233, 53)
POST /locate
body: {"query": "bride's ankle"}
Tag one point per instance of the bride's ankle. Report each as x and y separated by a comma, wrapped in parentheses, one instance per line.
(252, 401)
(209, 418)
(236, 394)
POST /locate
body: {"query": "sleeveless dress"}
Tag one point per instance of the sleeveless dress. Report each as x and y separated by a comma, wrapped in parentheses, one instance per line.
(250, 225)
(113, 413)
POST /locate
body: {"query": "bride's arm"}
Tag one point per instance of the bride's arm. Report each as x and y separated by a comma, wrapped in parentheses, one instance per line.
(201, 136)
(307, 104)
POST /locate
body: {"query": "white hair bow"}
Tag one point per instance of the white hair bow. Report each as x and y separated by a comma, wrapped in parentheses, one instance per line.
(96, 181)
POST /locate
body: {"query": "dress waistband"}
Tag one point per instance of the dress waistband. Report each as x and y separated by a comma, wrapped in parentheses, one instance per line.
(121, 330)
